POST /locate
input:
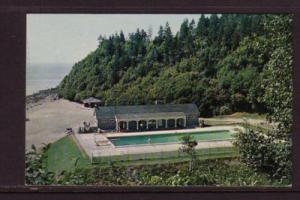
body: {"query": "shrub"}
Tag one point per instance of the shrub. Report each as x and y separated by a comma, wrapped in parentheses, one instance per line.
(260, 149)
(35, 171)
(225, 110)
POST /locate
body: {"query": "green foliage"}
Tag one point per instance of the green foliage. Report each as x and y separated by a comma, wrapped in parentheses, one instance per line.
(215, 63)
(35, 170)
(209, 172)
(271, 150)
(262, 150)
(188, 147)
(220, 172)
(278, 80)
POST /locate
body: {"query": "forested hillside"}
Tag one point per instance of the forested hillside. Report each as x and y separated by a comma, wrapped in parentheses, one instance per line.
(219, 62)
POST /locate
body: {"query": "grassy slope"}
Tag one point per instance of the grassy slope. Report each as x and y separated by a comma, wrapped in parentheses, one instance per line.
(63, 154)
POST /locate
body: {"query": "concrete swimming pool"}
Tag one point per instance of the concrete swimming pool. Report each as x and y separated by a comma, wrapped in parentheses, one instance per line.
(149, 142)
(169, 138)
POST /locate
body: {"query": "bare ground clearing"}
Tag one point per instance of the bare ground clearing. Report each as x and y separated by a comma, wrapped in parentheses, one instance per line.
(227, 120)
(47, 122)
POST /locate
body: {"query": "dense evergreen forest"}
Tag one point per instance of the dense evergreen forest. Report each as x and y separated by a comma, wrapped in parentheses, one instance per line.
(219, 62)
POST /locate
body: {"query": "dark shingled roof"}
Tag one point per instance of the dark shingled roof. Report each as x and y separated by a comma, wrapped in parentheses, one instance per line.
(91, 100)
(137, 116)
(111, 111)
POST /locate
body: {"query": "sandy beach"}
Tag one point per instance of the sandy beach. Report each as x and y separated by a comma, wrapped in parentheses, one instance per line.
(48, 120)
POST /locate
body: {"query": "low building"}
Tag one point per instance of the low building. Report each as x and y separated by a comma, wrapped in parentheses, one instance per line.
(91, 102)
(147, 117)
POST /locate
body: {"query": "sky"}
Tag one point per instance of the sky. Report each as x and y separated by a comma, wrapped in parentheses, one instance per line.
(68, 38)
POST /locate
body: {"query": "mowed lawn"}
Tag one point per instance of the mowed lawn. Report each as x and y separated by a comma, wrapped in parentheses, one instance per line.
(64, 154)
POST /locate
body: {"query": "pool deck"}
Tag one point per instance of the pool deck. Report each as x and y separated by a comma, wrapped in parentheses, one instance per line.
(88, 142)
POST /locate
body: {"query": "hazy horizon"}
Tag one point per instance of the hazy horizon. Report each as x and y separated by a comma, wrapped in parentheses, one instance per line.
(45, 77)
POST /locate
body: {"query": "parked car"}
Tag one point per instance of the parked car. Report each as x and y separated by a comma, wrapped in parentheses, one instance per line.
(69, 131)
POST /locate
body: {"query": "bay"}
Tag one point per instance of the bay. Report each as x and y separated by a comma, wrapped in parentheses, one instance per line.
(44, 76)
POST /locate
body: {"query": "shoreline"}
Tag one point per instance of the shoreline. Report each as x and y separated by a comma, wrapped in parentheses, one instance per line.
(41, 97)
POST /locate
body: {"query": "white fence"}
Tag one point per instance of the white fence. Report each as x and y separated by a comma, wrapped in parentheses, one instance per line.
(164, 156)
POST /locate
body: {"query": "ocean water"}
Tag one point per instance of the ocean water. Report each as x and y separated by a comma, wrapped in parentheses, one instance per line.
(44, 76)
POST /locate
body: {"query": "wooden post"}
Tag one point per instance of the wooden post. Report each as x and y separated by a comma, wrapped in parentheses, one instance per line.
(175, 122)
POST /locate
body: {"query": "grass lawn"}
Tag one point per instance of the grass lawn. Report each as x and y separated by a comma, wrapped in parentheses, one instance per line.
(63, 154)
